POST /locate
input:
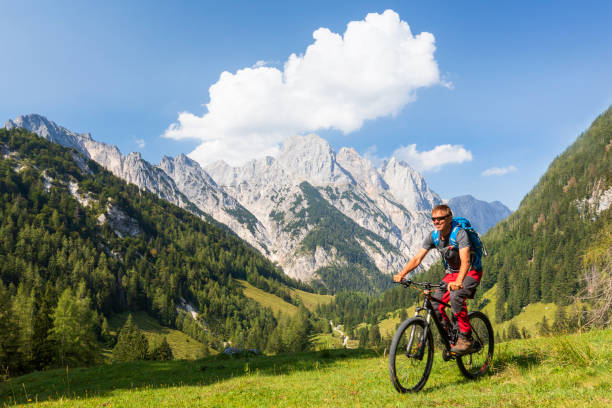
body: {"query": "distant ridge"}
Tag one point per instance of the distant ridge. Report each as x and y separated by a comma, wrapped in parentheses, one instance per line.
(482, 215)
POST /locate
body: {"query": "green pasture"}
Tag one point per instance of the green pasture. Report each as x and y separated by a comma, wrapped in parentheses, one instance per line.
(278, 304)
(183, 346)
(565, 371)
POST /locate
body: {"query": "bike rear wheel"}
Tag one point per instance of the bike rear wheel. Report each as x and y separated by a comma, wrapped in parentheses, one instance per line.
(411, 355)
(477, 363)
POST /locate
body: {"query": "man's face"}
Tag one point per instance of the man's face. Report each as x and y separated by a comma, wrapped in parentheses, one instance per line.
(441, 220)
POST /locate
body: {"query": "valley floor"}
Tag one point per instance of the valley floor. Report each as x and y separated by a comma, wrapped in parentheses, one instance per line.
(573, 370)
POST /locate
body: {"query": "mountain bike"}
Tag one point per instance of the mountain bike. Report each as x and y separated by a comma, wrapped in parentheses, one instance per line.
(412, 348)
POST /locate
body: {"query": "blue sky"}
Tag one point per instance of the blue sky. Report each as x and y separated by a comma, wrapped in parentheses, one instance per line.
(518, 81)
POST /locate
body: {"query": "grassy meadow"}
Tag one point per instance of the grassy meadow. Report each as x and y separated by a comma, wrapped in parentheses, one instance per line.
(574, 370)
(183, 346)
(265, 299)
(278, 304)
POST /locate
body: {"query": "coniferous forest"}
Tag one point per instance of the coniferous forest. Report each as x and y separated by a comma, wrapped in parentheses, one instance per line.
(67, 266)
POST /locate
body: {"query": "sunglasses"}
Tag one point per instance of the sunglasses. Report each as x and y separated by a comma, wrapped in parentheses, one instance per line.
(434, 219)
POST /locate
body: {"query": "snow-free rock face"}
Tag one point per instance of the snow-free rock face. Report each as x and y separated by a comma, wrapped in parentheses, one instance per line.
(201, 190)
(599, 200)
(121, 223)
(275, 198)
(408, 186)
(308, 209)
(312, 159)
(362, 170)
(349, 182)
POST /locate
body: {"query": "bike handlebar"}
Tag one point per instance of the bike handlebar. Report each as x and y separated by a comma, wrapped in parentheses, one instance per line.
(427, 285)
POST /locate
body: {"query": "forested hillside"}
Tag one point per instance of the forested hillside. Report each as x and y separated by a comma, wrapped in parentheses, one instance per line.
(336, 231)
(78, 245)
(556, 244)
(538, 252)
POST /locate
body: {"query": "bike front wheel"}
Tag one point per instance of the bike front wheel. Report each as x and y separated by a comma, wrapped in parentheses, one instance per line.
(411, 355)
(477, 363)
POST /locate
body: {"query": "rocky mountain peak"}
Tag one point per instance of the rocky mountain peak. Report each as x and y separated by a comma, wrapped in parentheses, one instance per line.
(182, 168)
(362, 170)
(41, 126)
(49, 130)
(312, 159)
(259, 172)
(408, 185)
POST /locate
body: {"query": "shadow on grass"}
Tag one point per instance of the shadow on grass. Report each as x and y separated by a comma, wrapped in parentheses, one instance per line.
(428, 389)
(501, 361)
(525, 359)
(102, 380)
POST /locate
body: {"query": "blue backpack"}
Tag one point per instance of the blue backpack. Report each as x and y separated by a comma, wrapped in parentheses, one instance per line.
(477, 248)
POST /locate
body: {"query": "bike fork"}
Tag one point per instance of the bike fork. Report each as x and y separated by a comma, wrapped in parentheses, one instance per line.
(413, 337)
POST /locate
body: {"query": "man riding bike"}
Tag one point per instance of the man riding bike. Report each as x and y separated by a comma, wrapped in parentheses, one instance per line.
(461, 278)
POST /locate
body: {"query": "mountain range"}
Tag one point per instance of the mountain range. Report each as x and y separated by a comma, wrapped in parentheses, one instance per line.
(332, 219)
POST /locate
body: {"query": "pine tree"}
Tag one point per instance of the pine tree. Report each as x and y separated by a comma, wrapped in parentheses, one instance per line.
(363, 337)
(105, 335)
(275, 341)
(544, 327)
(297, 333)
(44, 348)
(374, 337)
(560, 325)
(10, 357)
(131, 344)
(162, 352)
(525, 333)
(73, 330)
(23, 312)
(513, 331)
(502, 288)
(205, 347)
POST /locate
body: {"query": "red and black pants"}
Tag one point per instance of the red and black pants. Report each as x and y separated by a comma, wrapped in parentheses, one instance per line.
(457, 298)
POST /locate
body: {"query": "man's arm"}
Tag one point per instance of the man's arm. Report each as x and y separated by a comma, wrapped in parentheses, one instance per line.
(413, 263)
(464, 255)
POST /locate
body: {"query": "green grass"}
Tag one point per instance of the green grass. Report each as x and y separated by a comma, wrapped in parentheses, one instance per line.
(266, 299)
(311, 300)
(183, 346)
(529, 318)
(277, 304)
(326, 341)
(562, 371)
(387, 326)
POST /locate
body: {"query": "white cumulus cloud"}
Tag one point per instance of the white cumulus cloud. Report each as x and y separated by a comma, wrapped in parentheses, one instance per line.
(434, 159)
(340, 81)
(498, 171)
(141, 143)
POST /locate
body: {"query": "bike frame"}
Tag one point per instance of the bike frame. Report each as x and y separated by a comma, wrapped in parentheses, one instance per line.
(429, 308)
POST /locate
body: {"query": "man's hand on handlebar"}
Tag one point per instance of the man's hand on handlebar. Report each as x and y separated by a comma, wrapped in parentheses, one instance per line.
(456, 285)
(398, 278)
